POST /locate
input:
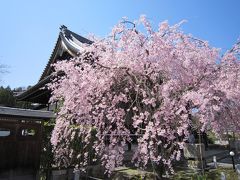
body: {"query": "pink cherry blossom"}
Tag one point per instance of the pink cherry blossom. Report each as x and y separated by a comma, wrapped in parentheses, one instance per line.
(147, 83)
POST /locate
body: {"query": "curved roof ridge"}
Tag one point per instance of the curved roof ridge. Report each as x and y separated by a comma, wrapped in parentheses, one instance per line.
(67, 41)
(68, 44)
(50, 59)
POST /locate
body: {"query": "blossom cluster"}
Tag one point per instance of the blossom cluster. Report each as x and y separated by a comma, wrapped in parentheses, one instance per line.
(142, 83)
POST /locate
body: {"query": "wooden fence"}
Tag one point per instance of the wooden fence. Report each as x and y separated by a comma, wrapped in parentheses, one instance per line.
(20, 143)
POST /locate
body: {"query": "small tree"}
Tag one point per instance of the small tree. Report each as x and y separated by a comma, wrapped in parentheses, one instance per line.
(146, 82)
(6, 97)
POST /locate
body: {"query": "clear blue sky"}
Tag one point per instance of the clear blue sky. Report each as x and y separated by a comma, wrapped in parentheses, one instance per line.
(29, 29)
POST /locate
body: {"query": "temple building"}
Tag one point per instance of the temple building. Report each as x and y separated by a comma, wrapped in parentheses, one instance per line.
(68, 45)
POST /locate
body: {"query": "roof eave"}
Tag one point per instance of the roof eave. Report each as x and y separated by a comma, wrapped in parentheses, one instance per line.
(17, 112)
(33, 89)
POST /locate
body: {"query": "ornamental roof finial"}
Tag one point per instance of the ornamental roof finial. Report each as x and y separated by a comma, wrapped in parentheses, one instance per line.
(63, 28)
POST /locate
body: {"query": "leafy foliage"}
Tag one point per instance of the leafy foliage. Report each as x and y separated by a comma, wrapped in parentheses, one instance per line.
(8, 99)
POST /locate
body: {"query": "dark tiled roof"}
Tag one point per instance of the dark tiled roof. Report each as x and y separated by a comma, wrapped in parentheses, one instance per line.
(6, 111)
(72, 44)
(68, 42)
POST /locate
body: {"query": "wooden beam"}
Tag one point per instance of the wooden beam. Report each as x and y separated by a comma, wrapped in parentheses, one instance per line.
(6, 111)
